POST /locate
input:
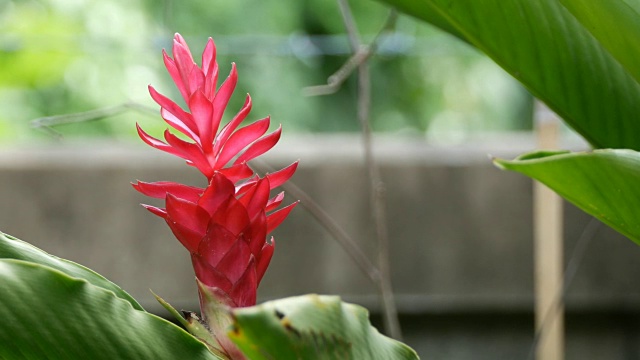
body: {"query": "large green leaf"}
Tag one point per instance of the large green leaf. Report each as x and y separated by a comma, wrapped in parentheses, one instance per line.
(603, 183)
(312, 327)
(12, 248)
(545, 47)
(615, 24)
(46, 314)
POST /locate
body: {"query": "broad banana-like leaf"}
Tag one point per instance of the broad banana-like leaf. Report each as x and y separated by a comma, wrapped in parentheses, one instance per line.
(312, 327)
(603, 183)
(542, 44)
(47, 314)
(12, 248)
(616, 25)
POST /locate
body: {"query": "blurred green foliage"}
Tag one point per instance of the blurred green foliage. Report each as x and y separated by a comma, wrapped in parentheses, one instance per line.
(67, 56)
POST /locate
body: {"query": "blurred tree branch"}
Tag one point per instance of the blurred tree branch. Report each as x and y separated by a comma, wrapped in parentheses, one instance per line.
(361, 54)
(359, 61)
(47, 123)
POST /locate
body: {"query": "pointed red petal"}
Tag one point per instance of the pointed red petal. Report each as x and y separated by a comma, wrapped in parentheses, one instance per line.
(187, 237)
(196, 79)
(246, 198)
(216, 244)
(150, 140)
(257, 233)
(202, 110)
(209, 57)
(233, 217)
(156, 210)
(174, 115)
(187, 214)
(190, 152)
(178, 38)
(222, 97)
(210, 68)
(261, 146)
(259, 200)
(175, 74)
(281, 176)
(208, 275)
(274, 202)
(265, 258)
(237, 172)
(235, 261)
(178, 124)
(244, 187)
(184, 62)
(218, 192)
(153, 142)
(210, 82)
(173, 108)
(254, 202)
(244, 291)
(228, 129)
(160, 189)
(240, 139)
(276, 218)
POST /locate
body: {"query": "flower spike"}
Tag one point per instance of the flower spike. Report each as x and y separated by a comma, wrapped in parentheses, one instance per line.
(224, 225)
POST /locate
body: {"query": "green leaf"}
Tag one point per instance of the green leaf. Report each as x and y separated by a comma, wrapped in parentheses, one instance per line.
(603, 183)
(615, 24)
(47, 314)
(312, 327)
(428, 12)
(12, 248)
(544, 46)
(194, 325)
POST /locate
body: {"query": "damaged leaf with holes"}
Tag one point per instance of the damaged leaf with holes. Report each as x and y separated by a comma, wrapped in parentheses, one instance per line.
(312, 327)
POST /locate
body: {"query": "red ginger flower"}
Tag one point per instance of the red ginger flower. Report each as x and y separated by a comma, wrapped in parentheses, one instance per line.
(210, 152)
(224, 226)
(224, 234)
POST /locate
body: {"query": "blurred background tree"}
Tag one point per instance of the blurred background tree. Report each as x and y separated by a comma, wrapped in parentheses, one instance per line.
(67, 56)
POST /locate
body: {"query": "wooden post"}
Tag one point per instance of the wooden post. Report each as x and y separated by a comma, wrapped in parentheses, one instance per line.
(548, 248)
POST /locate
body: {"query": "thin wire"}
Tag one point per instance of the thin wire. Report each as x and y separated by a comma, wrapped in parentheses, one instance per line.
(48, 122)
(575, 260)
(332, 227)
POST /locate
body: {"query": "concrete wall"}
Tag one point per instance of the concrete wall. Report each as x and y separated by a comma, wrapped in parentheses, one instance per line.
(460, 230)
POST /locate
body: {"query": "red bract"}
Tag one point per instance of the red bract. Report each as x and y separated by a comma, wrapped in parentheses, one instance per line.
(225, 225)
(211, 150)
